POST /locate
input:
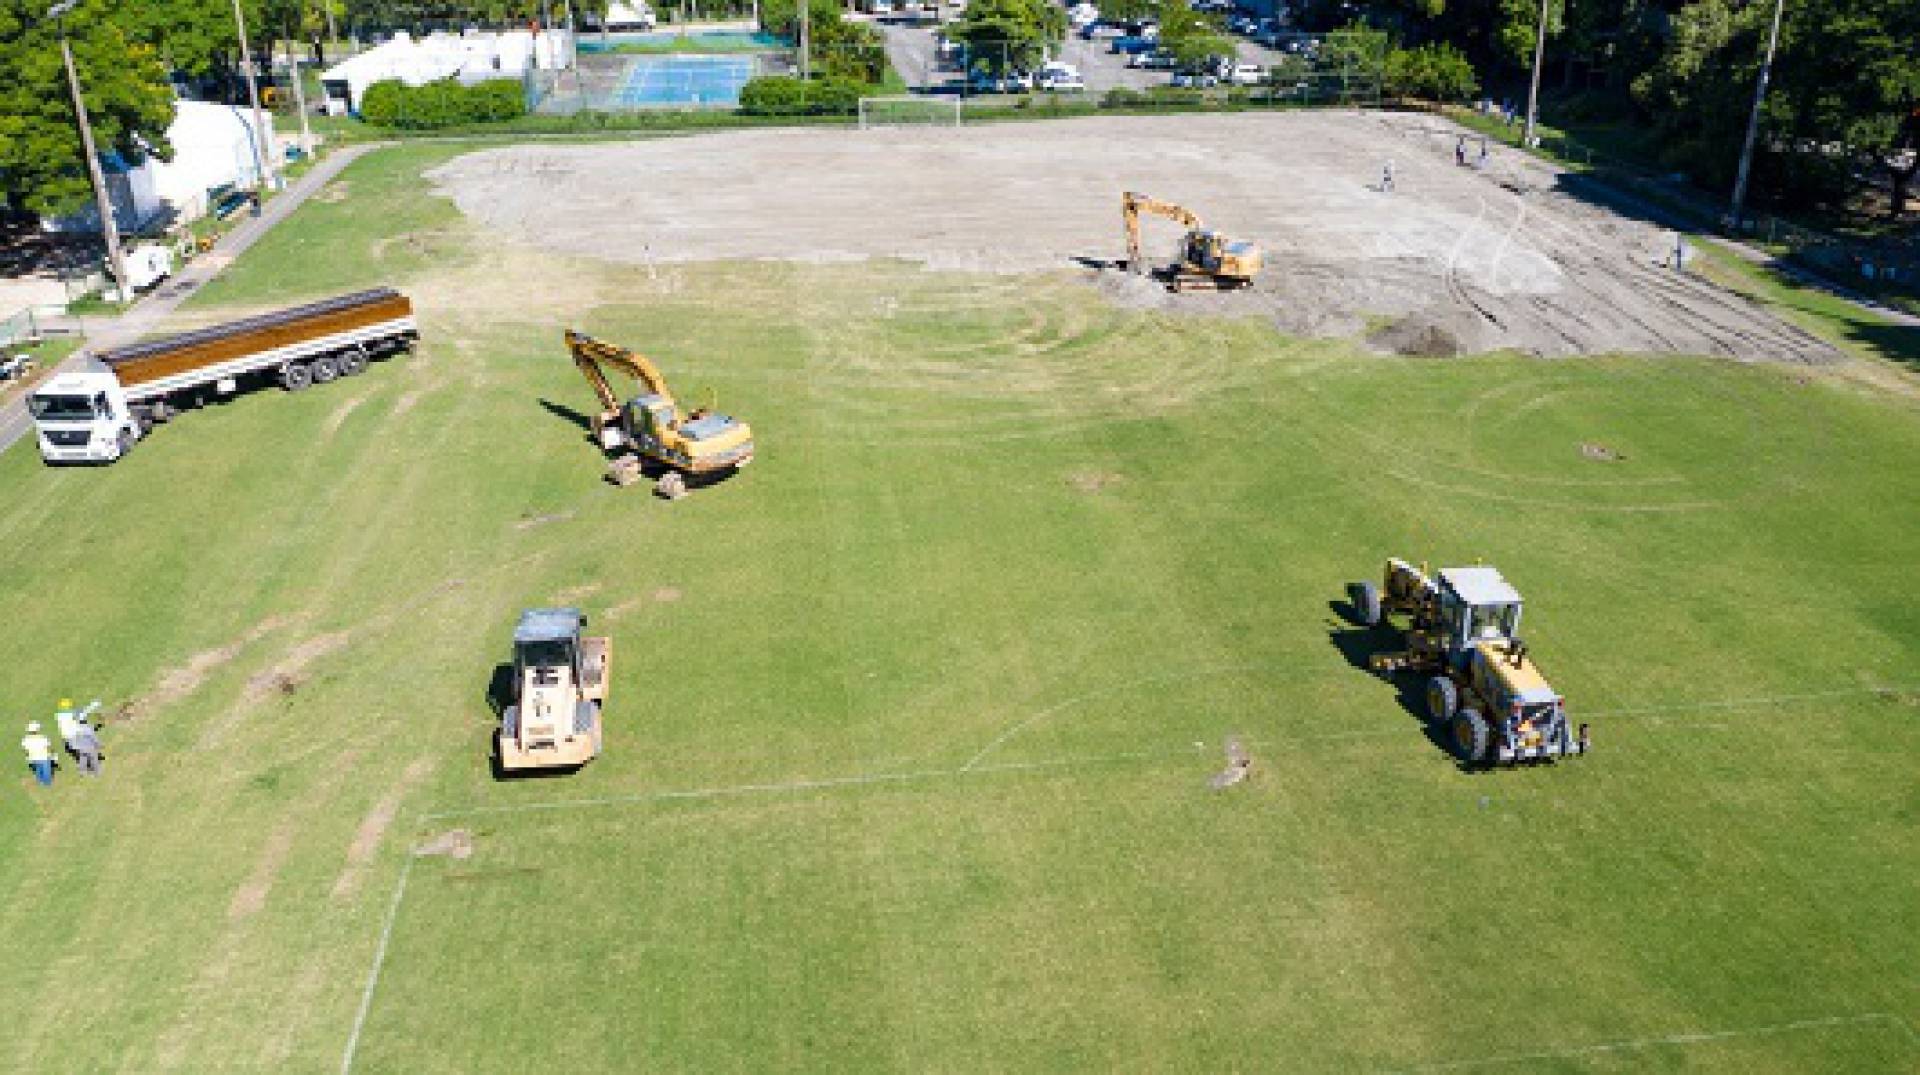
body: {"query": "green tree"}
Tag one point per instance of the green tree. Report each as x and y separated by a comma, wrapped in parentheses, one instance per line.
(999, 34)
(1435, 71)
(128, 99)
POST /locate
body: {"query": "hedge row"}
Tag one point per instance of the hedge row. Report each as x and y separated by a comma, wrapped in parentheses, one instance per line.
(445, 103)
(776, 95)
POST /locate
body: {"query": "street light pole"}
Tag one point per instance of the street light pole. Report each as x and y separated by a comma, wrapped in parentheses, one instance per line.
(1753, 120)
(1533, 90)
(300, 103)
(253, 94)
(109, 230)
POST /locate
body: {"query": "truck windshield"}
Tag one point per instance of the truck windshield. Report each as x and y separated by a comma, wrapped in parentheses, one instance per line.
(61, 408)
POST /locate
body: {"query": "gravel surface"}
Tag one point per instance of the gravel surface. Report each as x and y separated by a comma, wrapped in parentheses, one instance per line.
(1454, 260)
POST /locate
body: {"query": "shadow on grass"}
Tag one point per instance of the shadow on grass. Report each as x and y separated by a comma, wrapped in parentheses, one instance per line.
(1358, 642)
(562, 411)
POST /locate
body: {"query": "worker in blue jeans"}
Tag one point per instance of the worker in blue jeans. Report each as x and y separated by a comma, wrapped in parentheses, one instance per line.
(39, 754)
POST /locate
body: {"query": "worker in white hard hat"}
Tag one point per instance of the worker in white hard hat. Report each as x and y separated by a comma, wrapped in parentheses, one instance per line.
(39, 754)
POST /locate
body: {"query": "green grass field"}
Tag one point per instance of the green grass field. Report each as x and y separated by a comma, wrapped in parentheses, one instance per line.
(912, 721)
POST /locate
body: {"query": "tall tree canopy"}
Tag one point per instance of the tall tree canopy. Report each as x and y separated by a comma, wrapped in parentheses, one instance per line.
(42, 169)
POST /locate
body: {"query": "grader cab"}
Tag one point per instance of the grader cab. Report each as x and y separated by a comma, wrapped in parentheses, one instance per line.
(552, 720)
(1484, 690)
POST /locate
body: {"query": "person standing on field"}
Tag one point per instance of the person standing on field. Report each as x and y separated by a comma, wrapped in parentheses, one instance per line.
(86, 749)
(39, 754)
(68, 722)
(1386, 178)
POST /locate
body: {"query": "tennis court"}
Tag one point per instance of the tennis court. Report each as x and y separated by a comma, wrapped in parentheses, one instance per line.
(685, 80)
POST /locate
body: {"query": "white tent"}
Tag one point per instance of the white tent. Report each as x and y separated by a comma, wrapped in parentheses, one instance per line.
(470, 57)
(212, 147)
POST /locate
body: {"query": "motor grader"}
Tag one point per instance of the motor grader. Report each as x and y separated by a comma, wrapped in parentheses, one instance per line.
(1209, 261)
(1484, 692)
(552, 719)
(652, 425)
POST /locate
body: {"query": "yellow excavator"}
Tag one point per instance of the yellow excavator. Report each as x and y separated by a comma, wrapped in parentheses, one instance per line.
(1209, 261)
(651, 426)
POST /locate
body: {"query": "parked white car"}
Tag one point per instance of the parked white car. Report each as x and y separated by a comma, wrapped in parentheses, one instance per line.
(1245, 74)
(1059, 77)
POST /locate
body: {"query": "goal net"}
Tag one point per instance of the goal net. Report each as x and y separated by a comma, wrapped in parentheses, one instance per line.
(909, 112)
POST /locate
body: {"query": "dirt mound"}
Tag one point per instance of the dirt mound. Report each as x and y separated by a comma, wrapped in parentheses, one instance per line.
(1437, 332)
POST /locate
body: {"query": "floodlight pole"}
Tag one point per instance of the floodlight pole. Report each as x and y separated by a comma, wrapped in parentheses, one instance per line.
(253, 94)
(109, 230)
(1753, 121)
(1533, 89)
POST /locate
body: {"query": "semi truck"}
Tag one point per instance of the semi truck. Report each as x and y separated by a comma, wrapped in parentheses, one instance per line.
(97, 413)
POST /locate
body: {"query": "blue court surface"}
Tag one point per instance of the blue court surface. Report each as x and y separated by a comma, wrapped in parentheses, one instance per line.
(686, 80)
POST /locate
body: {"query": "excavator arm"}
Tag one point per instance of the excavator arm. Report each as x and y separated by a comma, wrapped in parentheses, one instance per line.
(1132, 205)
(595, 357)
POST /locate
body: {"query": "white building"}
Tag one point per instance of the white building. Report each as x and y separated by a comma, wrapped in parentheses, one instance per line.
(212, 148)
(470, 57)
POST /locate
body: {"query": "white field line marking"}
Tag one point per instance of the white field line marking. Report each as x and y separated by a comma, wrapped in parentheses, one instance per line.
(379, 961)
(1738, 703)
(822, 784)
(1078, 700)
(1674, 1039)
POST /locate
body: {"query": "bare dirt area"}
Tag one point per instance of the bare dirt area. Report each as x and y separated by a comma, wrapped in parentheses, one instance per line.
(1454, 260)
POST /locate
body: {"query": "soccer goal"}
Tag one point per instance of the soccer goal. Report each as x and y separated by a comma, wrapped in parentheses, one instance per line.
(909, 112)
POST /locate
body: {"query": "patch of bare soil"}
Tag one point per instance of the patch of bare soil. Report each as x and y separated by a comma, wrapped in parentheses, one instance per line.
(251, 896)
(1599, 453)
(288, 673)
(1093, 481)
(373, 828)
(454, 844)
(340, 413)
(179, 682)
(575, 594)
(1436, 332)
(1547, 268)
(336, 191)
(528, 522)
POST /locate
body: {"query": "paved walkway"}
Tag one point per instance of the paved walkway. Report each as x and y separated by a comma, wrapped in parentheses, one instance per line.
(147, 314)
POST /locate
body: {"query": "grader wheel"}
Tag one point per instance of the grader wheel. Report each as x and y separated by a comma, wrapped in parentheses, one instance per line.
(624, 471)
(1471, 736)
(1366, 603)
(1443, 699)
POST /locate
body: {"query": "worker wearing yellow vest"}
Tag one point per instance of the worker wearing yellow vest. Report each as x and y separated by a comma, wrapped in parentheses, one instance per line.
(39, 754)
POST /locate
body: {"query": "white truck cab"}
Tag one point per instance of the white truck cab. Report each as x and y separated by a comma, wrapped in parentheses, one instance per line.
(83, 417)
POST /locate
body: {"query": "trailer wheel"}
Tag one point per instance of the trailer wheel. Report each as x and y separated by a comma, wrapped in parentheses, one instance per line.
(353, 362)
(295, 376)
(1366, 603)
(1470, 736)
(1443, 699)
(326, 369)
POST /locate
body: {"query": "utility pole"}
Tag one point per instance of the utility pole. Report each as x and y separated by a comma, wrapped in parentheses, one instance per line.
(1528, 137)
(109, 230)
(259, 119)
(805, 61)
(300, 103)
(1753, 121)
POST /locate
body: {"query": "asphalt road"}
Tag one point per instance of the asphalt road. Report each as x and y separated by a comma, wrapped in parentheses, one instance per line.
(156, 306)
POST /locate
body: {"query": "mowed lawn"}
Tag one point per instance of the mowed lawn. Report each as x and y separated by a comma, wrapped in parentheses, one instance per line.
(912, 722)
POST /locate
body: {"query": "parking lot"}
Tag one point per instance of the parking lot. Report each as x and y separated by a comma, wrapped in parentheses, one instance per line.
(911, 49)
